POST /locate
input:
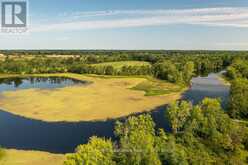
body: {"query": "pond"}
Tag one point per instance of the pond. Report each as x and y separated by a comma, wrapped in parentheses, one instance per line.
(15, 83)
(62, 137)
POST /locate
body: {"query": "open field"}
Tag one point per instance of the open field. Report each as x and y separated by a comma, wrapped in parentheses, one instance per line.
(153, 87)
(102, 99)
(20, 157)
(120, 64)
(2, 57)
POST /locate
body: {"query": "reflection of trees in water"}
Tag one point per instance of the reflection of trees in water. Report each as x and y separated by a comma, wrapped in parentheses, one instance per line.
(54, 80)
(16, 81)
(204, 72)
(12, 81)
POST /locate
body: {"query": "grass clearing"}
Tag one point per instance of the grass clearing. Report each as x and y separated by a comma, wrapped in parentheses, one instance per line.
(154, 87)
(102, 99)
(20, 157)
(118, 65)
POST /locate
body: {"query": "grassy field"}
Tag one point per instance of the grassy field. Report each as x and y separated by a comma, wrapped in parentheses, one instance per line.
(102, 99)
(19, 157)
(154, 87)
(150, 85)
(2, 57)
(120, 64)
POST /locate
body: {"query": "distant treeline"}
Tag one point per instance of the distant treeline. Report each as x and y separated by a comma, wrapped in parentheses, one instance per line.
(119, 52)
(173, 66)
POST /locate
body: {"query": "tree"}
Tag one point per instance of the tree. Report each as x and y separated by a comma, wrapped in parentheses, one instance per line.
(238, 102)
(231, 73)
(97, 151)
(238, 69)
(167, 71)
(188, 72)
(109, 70)
(177, 114)
(208, 134)
(169, 151)
(137, 141)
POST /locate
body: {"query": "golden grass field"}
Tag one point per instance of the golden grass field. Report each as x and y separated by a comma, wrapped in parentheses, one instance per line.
(102, 99)
(118, 65)
(20, 157)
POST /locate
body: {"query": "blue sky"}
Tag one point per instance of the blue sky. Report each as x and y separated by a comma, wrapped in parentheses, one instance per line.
(134, 24)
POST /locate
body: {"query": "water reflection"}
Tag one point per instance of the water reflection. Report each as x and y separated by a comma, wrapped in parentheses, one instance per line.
(209, 86)
(15, 83)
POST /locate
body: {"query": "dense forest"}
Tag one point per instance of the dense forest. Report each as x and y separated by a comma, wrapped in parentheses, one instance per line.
(200, 134)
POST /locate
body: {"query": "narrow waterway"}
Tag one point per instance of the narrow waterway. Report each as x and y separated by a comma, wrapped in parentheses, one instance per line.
(210, 86)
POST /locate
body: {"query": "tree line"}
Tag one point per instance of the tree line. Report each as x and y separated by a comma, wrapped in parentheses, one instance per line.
(173, 66)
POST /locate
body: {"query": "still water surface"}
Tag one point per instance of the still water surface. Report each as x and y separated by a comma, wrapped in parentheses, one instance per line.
(16, 83)
(62, 137)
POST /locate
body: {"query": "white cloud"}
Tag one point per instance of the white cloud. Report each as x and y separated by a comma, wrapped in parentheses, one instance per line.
(224, 10)
(232, 17)
(245, 44)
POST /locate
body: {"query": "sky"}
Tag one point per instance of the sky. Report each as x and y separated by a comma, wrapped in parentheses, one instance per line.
(134, 24)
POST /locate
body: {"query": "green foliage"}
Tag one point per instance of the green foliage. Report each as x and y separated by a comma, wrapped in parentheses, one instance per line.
(135, 70)
(154, 87)
(206, 131)
(169, 151)
(217, 127)
(173, 66)
(188, 71)
(109, 70)
(232, 73)
(203, 134)
(132, 124)
(238, 102)
(97, 151)
(167, 71)
(177, 114)
(137, 140)
(182, 73)
(238, 69)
